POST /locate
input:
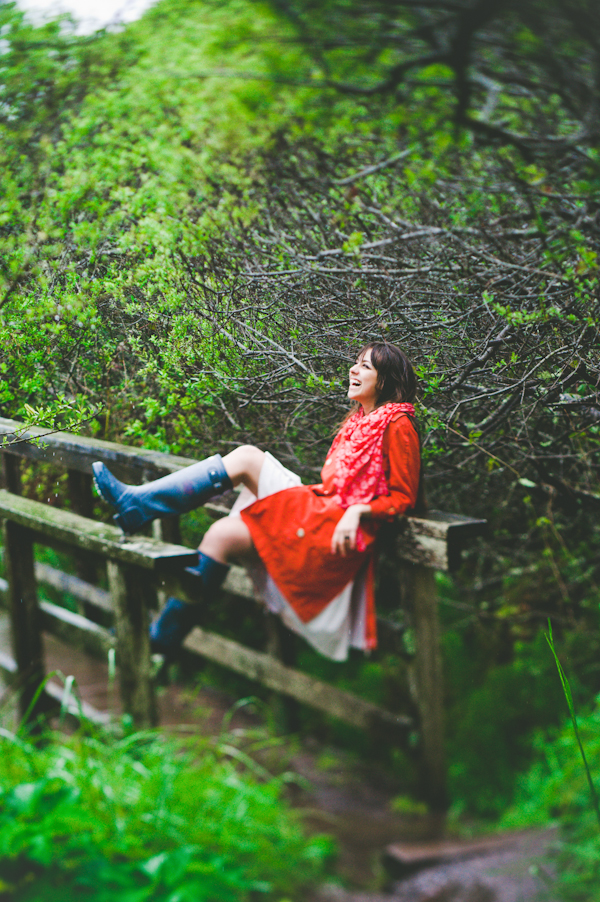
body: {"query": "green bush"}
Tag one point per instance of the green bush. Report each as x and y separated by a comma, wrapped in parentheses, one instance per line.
(555, 788)
(146, 818)
(492, 724)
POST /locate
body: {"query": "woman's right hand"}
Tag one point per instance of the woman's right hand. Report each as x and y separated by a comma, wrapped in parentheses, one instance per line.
(344, 535)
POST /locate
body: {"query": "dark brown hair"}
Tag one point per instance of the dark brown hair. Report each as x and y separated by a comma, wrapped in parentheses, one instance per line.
(396, 378)
(397, 381)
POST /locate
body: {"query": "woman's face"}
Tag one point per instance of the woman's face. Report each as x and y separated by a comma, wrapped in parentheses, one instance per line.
(363, 383)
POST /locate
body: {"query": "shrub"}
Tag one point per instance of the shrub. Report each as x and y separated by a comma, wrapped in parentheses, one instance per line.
(145, 818)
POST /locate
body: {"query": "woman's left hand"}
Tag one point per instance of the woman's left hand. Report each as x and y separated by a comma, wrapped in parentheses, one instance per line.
(344, 534)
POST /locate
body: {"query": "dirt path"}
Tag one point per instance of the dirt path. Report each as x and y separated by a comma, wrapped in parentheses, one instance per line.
(516, 874)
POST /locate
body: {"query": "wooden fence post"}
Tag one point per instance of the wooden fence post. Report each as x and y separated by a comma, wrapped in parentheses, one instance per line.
(132, 591)
(24, 613)
(79, 487)
(280, 645)
(11, 472)
(167, 530)
(427, 682)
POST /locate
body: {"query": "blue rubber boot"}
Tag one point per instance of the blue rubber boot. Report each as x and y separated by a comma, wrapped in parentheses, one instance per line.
(178, 618)
(176, 493)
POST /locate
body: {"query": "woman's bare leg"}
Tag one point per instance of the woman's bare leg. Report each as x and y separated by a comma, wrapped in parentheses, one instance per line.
(244, 464)
(226, 539)
(230, 538)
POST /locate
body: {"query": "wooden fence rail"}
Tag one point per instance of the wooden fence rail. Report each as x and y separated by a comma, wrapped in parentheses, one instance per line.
(138, 569)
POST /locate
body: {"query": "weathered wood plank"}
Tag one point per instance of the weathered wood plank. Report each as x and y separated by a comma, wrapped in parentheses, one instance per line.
(24, 613)
(129, 589)
(55, 692)
(73, 628)
(79, 486)
(271, 673)
(167, 529)
(238, 583)
(90, 535)
(189, 588)
(77, 708)
(72, 585)
(64, 582)
(436, 541)
(76, 630)
(433, 541)
(79, 452)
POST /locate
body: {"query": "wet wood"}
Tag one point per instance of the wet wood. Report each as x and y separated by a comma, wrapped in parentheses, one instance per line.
(79, 452)
(167, 530)
(55, 693)
(425, 854)
(11, 473)
(79, 487)
(271, 673)
(131, 591)
(72, 585)
(434, 541)
(101, 538)
(281, 646)
(428, 683)
(76, 630)
(75, 707)
(24, 613)
(73, 628)
(187, 587)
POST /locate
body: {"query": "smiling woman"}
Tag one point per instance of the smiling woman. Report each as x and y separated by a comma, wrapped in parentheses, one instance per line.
(312, 546)
(363, 382)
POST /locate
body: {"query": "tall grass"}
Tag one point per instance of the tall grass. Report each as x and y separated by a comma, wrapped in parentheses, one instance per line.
(569, 697)
(146, 818)
(560, 787)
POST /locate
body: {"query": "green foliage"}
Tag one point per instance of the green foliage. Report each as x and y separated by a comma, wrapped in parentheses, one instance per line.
(492, 724)
(556, 788)
(502, 692)
(145, 818)
(569, 698)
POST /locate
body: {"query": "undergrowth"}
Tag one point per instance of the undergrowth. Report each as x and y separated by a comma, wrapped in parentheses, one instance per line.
(146, 818)
(561, 786)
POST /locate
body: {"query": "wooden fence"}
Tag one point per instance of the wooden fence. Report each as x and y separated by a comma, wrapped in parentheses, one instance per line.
(140, 570)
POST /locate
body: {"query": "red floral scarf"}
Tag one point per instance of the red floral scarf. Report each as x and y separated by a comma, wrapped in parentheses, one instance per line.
(359, 475)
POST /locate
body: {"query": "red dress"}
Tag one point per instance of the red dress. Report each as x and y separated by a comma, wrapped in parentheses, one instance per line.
(292, 529)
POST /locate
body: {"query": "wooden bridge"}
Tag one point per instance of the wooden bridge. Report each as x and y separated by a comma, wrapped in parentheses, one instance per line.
(142, 570)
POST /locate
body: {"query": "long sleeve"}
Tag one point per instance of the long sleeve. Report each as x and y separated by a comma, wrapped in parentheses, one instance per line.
(402, 464)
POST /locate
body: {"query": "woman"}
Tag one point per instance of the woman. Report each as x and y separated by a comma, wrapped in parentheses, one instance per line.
(314, 543)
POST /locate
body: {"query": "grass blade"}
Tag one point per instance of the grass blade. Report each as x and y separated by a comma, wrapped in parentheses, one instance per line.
(569, 697)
